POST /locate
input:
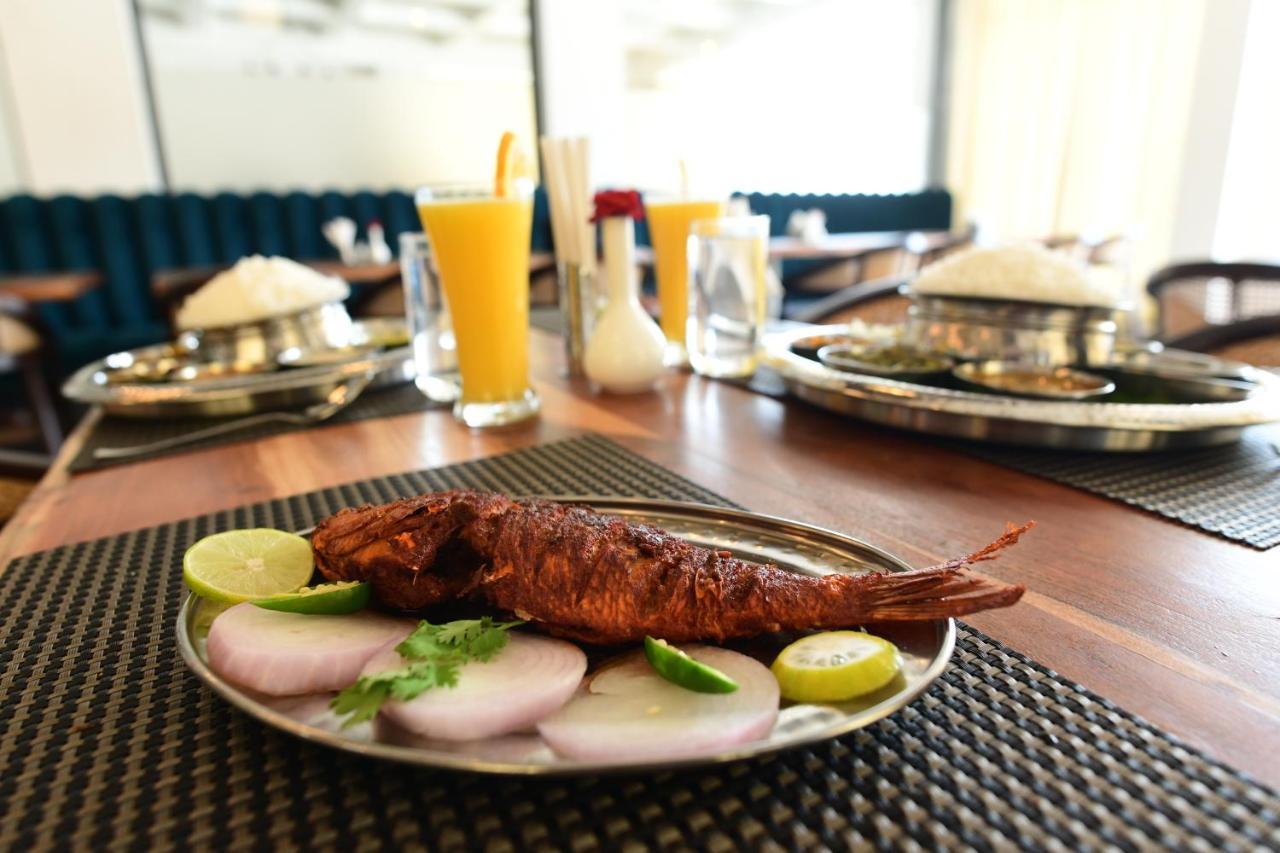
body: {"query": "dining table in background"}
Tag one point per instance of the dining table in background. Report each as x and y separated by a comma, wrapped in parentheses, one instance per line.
(21, 295)
(1172, 624)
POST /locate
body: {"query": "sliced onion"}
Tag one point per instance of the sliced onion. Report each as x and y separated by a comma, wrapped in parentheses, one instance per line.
(530, 678)
(631, 712)
(287, 654)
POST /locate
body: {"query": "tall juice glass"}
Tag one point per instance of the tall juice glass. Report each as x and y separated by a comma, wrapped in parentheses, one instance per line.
(481, 246)
(669, 221)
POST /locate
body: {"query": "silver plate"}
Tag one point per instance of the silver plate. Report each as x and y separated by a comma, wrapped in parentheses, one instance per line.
(926, 647)
(1077, 425)
(293, 388)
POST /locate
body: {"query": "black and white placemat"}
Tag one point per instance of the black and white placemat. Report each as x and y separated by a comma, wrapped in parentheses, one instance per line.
(108, 741)
(127, 432)
(1232, 491)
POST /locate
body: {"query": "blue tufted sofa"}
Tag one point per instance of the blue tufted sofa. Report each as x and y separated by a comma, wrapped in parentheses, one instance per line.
(129, 239)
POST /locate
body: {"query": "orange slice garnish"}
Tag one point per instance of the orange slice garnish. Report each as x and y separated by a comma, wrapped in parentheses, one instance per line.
(512, 167)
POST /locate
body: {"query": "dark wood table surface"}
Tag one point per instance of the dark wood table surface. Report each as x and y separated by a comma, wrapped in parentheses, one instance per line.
(1178, 626)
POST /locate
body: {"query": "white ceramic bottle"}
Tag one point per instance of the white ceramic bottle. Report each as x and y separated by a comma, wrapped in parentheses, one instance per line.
(624, 354)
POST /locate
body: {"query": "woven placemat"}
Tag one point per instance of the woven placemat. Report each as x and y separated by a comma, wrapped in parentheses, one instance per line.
(108, 741)
(126, 432)
(1232, 491)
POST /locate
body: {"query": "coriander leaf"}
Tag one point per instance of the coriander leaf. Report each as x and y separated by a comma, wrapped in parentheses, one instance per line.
(488, 644)
(422, 643)
(418, 677)
(462, 631)
(433, 657)
(361, 700)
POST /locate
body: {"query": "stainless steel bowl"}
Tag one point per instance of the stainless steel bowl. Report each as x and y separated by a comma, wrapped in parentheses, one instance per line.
(1033, 380)
(859, 359)
(1030, 332)
(325, 326)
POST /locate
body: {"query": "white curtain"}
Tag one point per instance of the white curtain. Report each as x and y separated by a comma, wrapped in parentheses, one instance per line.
(1069, 117)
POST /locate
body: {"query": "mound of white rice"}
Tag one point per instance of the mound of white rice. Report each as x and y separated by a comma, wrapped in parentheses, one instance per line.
(255, 289)
(1021, 273)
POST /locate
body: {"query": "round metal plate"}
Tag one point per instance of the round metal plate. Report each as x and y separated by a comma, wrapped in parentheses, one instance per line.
(292, 388)
(926, 647)
(1067, 424)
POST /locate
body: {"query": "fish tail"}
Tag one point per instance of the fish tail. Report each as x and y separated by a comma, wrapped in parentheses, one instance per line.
(947, 589)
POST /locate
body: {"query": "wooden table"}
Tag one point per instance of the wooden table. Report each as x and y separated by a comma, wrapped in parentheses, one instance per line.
(37, 288)
(1173, 624)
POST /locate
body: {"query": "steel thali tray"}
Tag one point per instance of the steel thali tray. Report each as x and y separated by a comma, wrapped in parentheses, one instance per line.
(1076, 425)
(925, 646)
(292, 388)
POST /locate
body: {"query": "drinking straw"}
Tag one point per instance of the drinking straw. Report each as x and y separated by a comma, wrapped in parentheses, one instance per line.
(557, 201)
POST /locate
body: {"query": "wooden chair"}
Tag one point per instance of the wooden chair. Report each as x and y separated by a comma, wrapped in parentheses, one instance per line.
(1227, 309)
(24, 350)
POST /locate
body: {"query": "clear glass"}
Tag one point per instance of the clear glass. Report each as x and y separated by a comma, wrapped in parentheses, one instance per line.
(669, 220)
(579, 306)
(481, 248)
(728, 295)
(435, 355)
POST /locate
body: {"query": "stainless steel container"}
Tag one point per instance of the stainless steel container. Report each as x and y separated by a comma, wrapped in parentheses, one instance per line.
(325, 326)
(1029, 332)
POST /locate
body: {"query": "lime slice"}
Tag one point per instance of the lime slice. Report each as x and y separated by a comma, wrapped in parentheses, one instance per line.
(678, 668)
(835, 665)
(241, 565)
(326, 598)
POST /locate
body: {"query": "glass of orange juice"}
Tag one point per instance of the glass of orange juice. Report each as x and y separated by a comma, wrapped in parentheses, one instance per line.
(481, 246)
(669, 220)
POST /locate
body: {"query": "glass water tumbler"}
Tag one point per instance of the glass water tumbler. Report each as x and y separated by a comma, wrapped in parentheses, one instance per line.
(435, 356)
(728, 294)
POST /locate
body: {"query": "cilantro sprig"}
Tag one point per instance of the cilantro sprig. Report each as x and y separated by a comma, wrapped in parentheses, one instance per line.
(433, 655)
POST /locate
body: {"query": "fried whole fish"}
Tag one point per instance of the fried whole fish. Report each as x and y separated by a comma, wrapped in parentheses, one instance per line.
(596, 578)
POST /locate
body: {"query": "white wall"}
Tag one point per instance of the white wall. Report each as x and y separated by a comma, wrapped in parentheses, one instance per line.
(228, 130)
(79, 110)
(12, 179)
(1209, 129)
(243, 107)
(584, 80)
(1248, 226)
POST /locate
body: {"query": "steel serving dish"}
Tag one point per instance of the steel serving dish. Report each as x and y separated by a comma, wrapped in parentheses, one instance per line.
(854, 357)
(230, 395)
(263, 342)
(991, 375)
(1226, 408)
(1005, 330)
(926, 648)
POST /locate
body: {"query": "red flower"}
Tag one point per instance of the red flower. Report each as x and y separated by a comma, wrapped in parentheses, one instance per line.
(618, 203)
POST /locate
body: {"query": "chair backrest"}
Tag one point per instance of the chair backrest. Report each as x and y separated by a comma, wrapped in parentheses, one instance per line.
(1199, 294)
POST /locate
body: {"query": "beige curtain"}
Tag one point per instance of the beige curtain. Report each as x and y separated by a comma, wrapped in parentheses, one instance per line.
(1069, 116)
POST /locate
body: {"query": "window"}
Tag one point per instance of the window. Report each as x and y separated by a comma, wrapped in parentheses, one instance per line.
(284, 94)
